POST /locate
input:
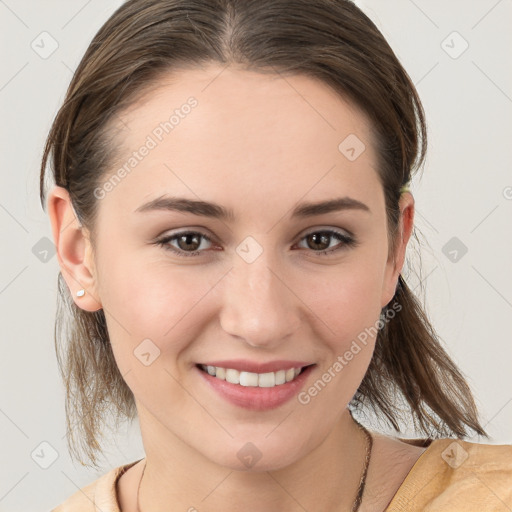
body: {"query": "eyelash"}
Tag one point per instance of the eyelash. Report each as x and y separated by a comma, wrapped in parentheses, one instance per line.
(348, 242)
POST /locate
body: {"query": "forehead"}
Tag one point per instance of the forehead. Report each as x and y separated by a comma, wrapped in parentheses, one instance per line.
(222, 133)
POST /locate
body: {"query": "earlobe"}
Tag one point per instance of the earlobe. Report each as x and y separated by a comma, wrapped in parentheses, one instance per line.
(74, 251)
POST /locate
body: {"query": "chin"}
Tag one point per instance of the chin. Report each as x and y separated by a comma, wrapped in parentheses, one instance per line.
(257, 455)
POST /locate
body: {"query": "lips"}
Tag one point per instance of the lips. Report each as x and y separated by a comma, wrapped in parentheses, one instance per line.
(246, 390)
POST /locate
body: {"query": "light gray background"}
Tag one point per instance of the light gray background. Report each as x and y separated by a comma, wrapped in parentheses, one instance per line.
(465, 192)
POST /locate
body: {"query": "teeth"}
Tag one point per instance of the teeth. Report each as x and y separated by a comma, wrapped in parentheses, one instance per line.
(232, 376)
(249, 379)
(280, 377)
(267, 380)
(290, 375)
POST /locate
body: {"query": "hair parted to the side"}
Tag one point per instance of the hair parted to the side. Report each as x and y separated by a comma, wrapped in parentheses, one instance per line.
(330, 40)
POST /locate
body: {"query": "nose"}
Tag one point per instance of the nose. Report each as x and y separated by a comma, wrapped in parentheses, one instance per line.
(259, 305)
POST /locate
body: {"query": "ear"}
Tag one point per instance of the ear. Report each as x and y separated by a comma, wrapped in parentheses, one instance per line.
(396, 260)
(74, 251)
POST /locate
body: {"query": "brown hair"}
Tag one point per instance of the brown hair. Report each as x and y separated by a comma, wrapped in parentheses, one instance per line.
(331, 40)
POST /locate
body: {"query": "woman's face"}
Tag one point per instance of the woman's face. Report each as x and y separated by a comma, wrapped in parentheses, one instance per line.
(258, 287)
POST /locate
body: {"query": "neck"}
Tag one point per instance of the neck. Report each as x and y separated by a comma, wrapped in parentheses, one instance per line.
(326, 479)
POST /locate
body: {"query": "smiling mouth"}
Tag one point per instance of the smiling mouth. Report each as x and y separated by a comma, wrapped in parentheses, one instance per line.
(250, 379)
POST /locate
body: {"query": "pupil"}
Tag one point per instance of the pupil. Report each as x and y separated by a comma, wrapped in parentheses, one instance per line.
(320, 239)
(187, 238)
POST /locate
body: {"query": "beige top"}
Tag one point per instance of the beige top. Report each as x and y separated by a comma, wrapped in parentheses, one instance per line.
(450, 475)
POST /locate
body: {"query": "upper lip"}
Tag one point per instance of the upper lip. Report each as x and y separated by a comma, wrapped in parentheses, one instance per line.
(244, 365)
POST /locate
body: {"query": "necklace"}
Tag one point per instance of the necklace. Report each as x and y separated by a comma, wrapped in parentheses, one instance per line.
(362, 482)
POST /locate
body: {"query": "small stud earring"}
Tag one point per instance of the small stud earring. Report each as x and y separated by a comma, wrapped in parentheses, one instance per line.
(80, 293)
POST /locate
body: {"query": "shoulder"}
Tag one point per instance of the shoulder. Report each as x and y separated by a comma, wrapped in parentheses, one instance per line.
(452, 474)
(98, 495)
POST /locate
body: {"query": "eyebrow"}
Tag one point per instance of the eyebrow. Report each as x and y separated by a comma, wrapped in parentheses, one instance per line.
(207, 209)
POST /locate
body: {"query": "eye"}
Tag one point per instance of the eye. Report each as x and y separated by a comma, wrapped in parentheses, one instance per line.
(185, 240)
(320, 241)
(189, 243)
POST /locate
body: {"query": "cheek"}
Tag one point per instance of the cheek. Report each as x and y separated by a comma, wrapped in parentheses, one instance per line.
(347, 299)
(146, 300)
(348, 305)
(152, 316)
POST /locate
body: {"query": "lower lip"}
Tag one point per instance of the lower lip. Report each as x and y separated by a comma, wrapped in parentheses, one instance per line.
(256, 398)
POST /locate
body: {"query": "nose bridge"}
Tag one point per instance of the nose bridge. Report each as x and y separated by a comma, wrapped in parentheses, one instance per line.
(258, 307)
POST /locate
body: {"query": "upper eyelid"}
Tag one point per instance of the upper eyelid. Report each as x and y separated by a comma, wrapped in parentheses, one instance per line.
(206, 234)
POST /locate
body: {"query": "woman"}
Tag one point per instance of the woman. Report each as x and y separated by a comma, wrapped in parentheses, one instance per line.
(231, 215)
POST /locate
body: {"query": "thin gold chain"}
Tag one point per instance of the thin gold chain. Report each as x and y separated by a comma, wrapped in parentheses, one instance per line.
(362, 483)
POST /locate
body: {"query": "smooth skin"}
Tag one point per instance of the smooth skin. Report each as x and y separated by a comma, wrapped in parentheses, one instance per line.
(257, 144)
